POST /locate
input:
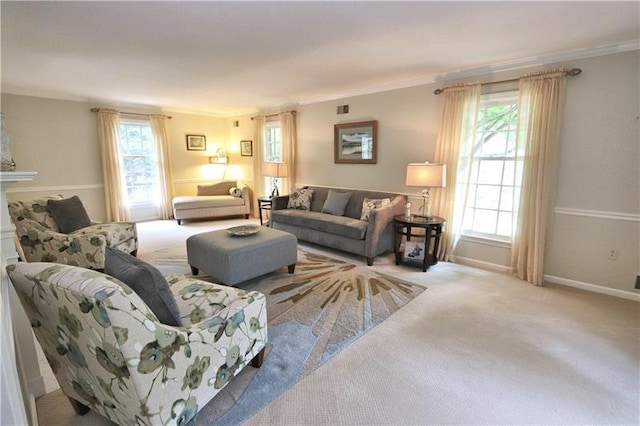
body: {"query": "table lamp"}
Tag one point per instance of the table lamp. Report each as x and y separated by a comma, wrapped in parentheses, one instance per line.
(276, 171)
(426, 175)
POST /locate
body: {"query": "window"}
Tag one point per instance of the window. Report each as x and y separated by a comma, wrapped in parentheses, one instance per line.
(493, 179)
(140, 162)
(272, 150)
(272, 142)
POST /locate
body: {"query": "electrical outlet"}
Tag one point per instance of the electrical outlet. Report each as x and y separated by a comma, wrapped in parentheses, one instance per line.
(612, 254)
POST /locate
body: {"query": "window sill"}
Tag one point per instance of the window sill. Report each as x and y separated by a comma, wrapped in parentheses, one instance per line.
(486, 241)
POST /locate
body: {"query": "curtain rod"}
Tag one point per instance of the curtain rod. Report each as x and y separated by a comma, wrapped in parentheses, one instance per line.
(572, 72)
(274, 115)
(128, 113)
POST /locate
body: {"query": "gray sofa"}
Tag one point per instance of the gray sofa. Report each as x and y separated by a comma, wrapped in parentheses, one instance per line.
(346, 232)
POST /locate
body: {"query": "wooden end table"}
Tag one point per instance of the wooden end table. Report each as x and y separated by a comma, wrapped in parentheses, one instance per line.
(432, 231)
(264, 203)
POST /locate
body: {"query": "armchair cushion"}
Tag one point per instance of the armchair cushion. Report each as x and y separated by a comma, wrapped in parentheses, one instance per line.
(146, 281)
(69, 214)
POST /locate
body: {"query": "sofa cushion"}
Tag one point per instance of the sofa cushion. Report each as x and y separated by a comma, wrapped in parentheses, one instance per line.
(220, 188)
(369, 204)
(300, 198)
(146, 281)
(336, 202)
(69, 214)
(339, 225)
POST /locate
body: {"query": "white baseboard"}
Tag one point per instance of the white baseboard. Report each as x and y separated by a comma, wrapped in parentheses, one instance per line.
(593, 287)
(488, 266)
(493, 267)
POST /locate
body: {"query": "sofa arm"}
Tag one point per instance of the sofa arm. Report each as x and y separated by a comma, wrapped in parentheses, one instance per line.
(246, 197)
(40, 244)
(280, 202)
(379, 219)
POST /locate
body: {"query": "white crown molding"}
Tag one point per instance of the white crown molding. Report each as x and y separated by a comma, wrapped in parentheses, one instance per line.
(479, 71)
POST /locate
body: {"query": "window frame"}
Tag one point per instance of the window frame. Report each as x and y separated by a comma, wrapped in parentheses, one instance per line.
(150, 201)
(471, 206)
(268, 148)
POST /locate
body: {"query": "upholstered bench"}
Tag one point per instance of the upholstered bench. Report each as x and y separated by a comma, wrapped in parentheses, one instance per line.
(232, 259)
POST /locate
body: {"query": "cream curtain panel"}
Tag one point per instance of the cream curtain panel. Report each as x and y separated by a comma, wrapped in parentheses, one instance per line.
(542, 97)
(454, 147)
(258, 158)
(289, 143)
(165, 176)
(109, 137)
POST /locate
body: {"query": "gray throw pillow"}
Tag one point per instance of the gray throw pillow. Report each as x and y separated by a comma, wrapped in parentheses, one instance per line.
(146, 281)
(336, 202)
(69, 214)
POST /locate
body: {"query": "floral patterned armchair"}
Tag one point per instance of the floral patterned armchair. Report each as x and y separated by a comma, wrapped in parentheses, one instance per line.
(40, 238)
(111, 354)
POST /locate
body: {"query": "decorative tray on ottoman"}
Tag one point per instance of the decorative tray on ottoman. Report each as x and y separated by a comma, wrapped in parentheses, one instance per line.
(243, 230)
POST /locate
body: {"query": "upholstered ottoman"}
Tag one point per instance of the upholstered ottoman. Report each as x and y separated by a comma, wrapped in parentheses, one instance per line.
(232, 259)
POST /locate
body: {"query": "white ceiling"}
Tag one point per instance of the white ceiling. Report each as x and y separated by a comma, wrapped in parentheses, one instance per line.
(227, 58)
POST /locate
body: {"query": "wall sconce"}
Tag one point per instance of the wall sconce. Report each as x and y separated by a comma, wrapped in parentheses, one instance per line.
(219, 158)
(426, 175)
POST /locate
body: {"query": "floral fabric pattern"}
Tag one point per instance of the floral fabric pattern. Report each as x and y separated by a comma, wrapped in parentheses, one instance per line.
(109, 351)
(300, 198)
(42, 241)
(369, 204)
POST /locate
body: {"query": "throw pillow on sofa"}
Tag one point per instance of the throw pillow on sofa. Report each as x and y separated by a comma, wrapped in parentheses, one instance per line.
(372, 204)
(336, 202)
(69, 214)
(300, 198)
(146, 281)
(236, 192)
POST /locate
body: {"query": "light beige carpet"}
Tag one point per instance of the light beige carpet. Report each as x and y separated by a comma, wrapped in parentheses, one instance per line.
(476, 348)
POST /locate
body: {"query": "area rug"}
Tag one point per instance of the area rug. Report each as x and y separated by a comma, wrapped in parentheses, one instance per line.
(312, 315)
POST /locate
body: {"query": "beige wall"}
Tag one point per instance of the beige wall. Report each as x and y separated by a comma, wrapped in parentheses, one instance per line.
(597, 207)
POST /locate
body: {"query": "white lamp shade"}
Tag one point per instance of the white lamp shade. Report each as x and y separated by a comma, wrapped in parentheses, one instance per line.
(275, 169)
(426, 175)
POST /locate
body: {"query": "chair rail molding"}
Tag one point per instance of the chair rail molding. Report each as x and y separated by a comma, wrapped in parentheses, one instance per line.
(54, 189)
(18, 402)
(598, 214)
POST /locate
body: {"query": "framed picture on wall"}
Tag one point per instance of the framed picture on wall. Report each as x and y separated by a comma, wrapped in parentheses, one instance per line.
(196, 143)
(356, 142)
(246, 148)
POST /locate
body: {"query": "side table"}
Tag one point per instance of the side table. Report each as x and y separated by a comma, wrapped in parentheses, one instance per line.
(264, 203)
(432, 231)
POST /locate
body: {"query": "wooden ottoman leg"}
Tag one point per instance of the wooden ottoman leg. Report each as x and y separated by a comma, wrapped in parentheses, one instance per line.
(258, 359)
(291, 268)
(194, 270)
